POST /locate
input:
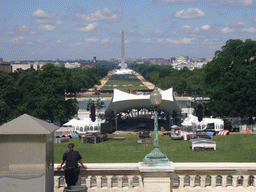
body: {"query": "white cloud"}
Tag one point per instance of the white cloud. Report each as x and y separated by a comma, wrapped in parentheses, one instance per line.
(227, 30)
(106, 40)
(32, 33)
(160, 40)
(89, 27)
(102, 15)
(43, 14)
(23, 28)
(196, 30)
(92, 40)
(59, 22)
(41, 21)
(58, 41)
(17, 39)
(186, 27)
(210, 41)
(97, 40)
(190, 13)
(239, 2)
(47, 27)
(182, 41)
(107, 27)
(187, 40)
(146, 40)
(232, 3)
(206, 27)
(249, 30)
(238, 25)
(157, 32)
(76, 44)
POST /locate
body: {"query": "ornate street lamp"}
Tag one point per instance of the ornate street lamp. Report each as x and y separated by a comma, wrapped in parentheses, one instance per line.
(156, 156)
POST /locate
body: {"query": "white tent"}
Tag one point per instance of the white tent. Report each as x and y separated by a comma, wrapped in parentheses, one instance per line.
(123, 102)
(190, 120)
(71, 122)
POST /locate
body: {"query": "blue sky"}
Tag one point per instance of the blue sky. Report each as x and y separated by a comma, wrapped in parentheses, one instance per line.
(47, 29)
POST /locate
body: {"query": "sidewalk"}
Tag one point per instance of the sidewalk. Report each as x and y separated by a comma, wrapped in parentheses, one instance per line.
(145, 82)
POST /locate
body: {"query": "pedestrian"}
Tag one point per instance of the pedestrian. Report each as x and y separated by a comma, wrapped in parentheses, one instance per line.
(239, 179)
(72, 170)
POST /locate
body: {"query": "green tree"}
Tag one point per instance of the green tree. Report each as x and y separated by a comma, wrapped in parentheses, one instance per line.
(9, 98)
(42, 94)
(230, 79)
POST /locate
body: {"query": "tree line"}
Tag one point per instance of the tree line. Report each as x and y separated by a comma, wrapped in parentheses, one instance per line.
(185, 82)
(41, 93)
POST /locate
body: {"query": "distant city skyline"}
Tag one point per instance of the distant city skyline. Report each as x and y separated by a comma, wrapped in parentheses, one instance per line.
(50, 30)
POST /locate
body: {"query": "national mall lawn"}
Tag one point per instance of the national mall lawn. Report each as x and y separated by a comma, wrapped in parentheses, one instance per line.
(230, 148)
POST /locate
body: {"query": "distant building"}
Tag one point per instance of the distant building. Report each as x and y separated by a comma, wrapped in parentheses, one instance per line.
(1, 59)
(25, 66)
(84, 66)
(72, 65)
(93, 64)
(191, 64)
(6, 67)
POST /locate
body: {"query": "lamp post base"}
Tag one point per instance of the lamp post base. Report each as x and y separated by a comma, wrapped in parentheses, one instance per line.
(156, 157)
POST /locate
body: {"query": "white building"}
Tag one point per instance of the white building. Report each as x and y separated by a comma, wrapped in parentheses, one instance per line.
(72, 65)
(25, 66)
(182, 62)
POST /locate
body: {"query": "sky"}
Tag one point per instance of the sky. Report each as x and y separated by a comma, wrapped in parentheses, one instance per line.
(69, 29)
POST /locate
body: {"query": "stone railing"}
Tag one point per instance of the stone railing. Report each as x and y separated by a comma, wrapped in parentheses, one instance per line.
(132, 177)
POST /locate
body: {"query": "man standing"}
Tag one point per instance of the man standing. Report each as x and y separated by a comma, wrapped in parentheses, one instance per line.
(72, 170)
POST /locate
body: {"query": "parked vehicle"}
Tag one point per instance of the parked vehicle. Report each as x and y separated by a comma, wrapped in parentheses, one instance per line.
(144, 134)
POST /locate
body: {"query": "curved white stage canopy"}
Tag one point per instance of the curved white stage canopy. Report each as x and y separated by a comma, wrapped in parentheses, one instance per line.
(123, 102)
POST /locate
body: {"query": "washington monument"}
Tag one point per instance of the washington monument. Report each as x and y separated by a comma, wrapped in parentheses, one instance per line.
(123, 65)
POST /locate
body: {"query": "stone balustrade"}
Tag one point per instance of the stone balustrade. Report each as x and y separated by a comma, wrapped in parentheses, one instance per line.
(130, 177)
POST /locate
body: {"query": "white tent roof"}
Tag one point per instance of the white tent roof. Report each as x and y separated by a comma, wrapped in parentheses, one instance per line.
(85, 122)
(189, 120)
(122, 102)
(123, 72)
(71, 122)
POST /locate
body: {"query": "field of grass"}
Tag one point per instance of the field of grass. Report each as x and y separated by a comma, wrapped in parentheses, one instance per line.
(123, 83)
(231, 148)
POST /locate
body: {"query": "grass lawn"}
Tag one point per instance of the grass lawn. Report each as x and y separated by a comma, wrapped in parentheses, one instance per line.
(231, 148)
(123, 83)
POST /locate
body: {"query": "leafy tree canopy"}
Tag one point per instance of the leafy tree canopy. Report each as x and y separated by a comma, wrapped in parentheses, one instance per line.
(42, 93)
(230, 79)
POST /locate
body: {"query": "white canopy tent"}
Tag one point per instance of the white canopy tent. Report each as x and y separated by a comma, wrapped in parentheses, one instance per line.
(71, 122)
(82, 126)
(123, 102)
(192, 121)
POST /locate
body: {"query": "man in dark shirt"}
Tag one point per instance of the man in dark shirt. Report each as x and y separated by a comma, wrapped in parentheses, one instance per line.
(72, 170)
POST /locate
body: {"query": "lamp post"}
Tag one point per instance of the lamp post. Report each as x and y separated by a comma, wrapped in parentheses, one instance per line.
(156, 156)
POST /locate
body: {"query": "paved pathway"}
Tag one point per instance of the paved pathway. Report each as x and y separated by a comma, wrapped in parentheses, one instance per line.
(145, 82)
